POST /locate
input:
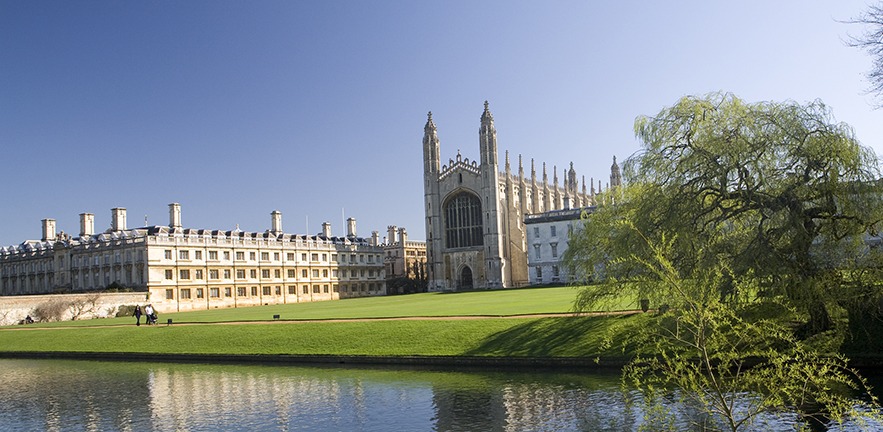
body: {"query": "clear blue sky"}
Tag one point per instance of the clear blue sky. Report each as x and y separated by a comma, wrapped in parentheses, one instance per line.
(236, 109)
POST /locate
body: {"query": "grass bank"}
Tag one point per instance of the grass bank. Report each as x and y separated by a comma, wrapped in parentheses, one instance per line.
(245, 331)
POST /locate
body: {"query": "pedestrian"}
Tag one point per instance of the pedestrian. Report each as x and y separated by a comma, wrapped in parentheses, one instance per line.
(151, 317)
(137, 315)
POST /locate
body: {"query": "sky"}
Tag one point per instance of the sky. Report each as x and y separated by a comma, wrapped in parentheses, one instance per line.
(316, 109)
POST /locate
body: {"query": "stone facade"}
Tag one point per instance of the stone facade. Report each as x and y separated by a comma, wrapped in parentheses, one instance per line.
(475, 231)
(404, 262)
(548, 235)
(190, 269)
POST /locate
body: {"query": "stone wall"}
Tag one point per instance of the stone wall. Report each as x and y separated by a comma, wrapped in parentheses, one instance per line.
(14, 309)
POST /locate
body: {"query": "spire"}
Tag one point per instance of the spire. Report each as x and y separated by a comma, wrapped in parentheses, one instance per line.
(584, 185)
(533, 172)
(508, 169)
(545, 177)
(430, 125)
(520, 167)
(615, 175)
(487, 138)
(555, 176)
(430, 146)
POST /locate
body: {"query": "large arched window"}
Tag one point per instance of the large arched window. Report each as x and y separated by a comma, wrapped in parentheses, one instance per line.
(463, 221)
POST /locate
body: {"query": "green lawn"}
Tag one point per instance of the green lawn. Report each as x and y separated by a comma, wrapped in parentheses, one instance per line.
(508, 302)
(210, 332)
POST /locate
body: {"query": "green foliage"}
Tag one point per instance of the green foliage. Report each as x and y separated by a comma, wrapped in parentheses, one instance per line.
(778, 191)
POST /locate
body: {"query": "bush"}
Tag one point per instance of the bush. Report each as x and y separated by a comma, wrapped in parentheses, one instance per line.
(53, 310)
(125, 310)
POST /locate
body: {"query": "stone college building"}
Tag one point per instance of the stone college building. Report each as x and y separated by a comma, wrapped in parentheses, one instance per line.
(475, 232)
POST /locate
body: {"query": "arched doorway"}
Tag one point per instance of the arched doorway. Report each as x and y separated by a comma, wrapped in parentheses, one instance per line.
(466, 278)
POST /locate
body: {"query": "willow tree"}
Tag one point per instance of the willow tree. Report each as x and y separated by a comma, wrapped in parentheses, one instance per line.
(778, 192)
(742, 218)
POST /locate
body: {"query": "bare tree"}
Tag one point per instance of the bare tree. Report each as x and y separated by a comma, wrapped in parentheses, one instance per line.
(84, 307)
(871, 40)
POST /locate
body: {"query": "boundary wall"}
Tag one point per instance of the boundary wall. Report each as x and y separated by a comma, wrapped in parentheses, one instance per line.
(14, 309)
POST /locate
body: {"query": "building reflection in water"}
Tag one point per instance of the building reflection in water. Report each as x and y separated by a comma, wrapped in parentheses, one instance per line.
(98, 396)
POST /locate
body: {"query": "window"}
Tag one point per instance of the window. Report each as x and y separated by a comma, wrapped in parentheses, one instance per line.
(197, 255)
(265, 273)
(185, 293)
(303, 273)
(214, 293)
(303, 257)
(183, 254)
(227, 255)
(325, 289)
(554, 249)
(275, 256)
(315, 273)
(169, 275)
(266, 290)
(315, 289)
(539, 273)
(289, 256)
(343, 273)
(277, 274)
(184, 274)
(198, 274)
(199, 293)
(333, 257)
(254, 291)
(227, 292)
(170, 293)
(333, 273)
(536, 231)
(240, 291)
(292, 289)
(314, 257)
(167, 253)
(253, 273)
(462, 219)
(252, 255)
(213, 255)
(324, 257)
(240, 256)
(325, 273)
(265, 256)
(306, 289)
(226, 273)
(213, 274)
(553, 230)
(240, 274)
(536, 249)
(291, 274)
(555, 270)
(278, 290)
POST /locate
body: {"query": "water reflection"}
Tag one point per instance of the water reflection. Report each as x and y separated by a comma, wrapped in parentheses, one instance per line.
(101, 396)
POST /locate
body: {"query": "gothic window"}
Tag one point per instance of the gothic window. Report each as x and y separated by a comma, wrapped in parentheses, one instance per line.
(463, 221)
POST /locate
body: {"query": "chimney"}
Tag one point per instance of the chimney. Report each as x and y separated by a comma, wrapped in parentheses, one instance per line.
(174, 215)
(403, 235)
(390, 234)
(118, 219)
(326, 229)
(350, 227)
(87, 224)
(375, 238)
(48, 230)
(276, 218)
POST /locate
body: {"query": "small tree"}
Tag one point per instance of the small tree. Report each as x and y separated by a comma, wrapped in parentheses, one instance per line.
(53, 310)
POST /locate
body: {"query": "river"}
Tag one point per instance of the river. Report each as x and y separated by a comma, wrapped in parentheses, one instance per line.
(65, 395)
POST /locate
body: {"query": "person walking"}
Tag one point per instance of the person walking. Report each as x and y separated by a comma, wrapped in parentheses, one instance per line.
(137, 315)
(151, 318)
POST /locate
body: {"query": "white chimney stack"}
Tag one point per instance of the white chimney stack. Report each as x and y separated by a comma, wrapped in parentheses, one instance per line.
(375, 238)
(118, 219)
(403, 235)
(326, 229)
(390, 234)
(174, 215)
(87, 224)
(48, 229)
(276, 221)
(351, 227)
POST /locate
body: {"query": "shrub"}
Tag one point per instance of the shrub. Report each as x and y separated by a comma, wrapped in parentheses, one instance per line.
(53, 310)
(125, 310)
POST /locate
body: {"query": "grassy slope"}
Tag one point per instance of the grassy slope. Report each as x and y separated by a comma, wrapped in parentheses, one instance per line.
(531, 337)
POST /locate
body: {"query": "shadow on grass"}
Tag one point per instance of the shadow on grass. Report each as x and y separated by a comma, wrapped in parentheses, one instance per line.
(561, 337)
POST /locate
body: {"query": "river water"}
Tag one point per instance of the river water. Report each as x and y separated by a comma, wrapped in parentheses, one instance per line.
(64, 395)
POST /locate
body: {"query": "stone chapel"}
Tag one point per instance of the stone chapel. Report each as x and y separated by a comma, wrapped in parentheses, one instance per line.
(475, 232)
